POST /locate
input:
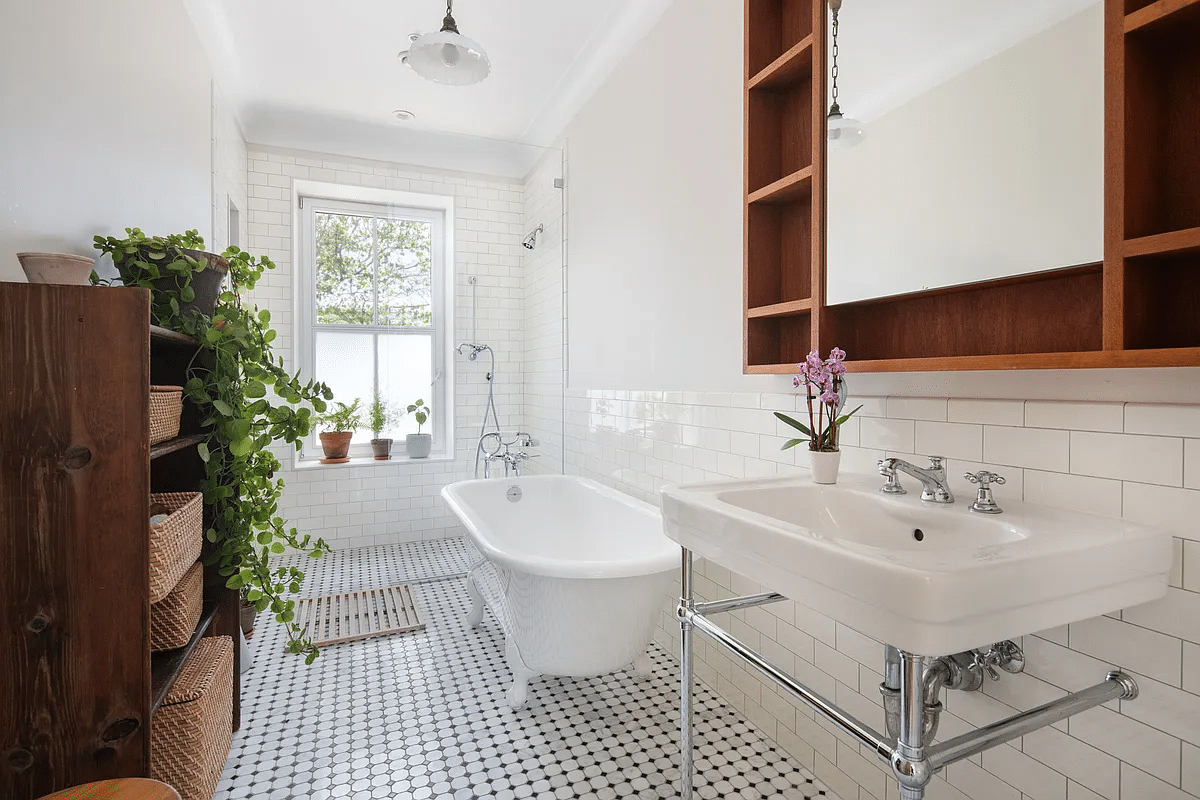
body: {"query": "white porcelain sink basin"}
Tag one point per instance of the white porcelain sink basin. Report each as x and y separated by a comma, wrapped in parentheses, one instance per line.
(926, 578)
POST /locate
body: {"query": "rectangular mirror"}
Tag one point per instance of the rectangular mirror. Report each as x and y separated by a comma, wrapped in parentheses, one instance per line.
(982, 147)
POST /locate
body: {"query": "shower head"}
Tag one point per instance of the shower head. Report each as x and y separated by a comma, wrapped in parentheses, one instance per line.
(530, 241)
(471, 349)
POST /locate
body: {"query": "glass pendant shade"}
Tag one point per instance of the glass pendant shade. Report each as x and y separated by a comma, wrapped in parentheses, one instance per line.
(449, 57)
(844, 131)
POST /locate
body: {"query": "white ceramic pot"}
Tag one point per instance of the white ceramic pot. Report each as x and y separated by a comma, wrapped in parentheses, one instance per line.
(825, 466)
(59, 268)
(418, 444)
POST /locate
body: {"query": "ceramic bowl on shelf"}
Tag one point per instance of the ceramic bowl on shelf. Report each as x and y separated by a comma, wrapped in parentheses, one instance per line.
(58, 268)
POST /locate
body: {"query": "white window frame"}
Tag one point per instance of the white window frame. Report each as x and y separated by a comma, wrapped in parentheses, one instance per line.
(310, 196)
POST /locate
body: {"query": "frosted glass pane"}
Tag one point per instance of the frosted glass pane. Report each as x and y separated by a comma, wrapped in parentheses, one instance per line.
(405, 374)
(345, 361)
(405, 289)
(345, 274)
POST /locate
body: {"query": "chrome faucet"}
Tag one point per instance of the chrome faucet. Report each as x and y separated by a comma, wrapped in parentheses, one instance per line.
(935, 488)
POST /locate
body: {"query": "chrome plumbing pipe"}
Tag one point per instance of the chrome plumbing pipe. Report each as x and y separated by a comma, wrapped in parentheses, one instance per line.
(864, 733)
(685, 613)
(1117, 685)
(910, 766)
(735, 603)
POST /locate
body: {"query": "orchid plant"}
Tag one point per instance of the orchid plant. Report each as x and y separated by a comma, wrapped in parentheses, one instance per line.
(826, 389)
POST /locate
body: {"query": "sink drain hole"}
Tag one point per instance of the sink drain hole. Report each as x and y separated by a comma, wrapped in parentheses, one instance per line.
(919, 535)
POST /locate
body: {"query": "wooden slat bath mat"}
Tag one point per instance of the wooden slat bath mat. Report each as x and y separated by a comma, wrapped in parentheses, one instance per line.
(350, 616)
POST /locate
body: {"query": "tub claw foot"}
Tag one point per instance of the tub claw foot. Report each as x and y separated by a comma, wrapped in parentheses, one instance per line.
(475, 615)
(518, 693)
(643, 666)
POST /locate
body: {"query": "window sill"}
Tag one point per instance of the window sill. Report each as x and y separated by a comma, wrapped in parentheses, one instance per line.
(368, 461)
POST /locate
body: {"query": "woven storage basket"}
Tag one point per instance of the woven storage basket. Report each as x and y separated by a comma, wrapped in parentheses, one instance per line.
(193, 728)
(175, 543)
(173, 619)
(166, 404)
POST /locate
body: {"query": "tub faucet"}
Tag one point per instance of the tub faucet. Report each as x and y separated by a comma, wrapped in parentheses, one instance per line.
(935, 488)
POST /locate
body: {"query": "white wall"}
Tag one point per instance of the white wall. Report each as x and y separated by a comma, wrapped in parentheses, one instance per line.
(656, 213)
(104, 124)
(655, 396)
(998, 171)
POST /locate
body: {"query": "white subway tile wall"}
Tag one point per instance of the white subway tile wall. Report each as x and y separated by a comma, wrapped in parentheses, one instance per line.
(372, 504)
(1122, 460)
(543, 304)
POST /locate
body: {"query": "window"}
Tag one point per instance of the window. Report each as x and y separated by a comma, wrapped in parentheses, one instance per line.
(372, 311)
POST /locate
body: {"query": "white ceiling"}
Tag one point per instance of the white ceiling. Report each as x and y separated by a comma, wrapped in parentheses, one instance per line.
(893, 51)
(331, 67)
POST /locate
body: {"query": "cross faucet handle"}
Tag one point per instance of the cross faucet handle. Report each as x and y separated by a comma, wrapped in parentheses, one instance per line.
(984, 502)
(985, 478)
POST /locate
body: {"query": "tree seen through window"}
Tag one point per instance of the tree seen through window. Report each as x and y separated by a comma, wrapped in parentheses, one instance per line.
(373, 271)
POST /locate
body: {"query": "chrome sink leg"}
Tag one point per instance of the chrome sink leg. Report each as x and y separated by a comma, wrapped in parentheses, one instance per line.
(686, 604)
(909, 763)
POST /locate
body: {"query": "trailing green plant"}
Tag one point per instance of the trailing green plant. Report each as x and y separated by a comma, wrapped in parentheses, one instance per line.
(341, 419)
(247, 401)
(421, 412)
(379, 416)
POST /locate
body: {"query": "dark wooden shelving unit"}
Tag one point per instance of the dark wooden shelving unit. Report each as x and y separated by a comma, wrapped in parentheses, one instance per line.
(76, 470)
(1140, 307)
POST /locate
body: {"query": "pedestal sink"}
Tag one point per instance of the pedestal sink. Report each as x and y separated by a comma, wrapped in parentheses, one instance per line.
(925, 578)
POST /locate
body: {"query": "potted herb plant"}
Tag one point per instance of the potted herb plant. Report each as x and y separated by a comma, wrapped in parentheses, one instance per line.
(419, 444)
(337, 429)
(826, 379)
(247, 401)
(379, 417)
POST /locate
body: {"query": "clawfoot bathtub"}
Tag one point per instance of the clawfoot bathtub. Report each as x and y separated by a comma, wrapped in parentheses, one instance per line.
(575, 573)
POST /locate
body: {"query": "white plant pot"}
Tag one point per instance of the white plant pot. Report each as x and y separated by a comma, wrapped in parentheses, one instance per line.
(825, 466)
(418, 445)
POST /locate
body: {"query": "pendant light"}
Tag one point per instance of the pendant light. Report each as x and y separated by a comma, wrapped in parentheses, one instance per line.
(447, 56)
(843, 131)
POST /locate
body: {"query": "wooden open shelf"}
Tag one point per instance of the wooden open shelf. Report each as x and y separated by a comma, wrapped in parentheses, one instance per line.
(175, 445)
(792, 308)
(164, 335)
(1149, 13)
(1059, 310)
(778, 340)
(1162, 124)
(1140, 308)
(775, 28)
(1164, 244)
(166, 666)
(790, 68)
(792, 187)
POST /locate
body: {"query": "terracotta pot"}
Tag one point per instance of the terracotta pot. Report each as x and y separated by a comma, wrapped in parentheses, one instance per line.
(825, 466)
(418, 445)
(58, 268)
(382, 448)
(336, 446)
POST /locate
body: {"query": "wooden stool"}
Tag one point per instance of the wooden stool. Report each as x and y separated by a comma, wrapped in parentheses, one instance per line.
(120, 789)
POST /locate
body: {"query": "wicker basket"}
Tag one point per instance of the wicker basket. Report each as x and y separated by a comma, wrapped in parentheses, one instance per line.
(174, 618)
(175, 543)
(193, 728)
(166, 404)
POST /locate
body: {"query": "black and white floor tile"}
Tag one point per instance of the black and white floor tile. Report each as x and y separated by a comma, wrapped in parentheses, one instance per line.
(423, 715)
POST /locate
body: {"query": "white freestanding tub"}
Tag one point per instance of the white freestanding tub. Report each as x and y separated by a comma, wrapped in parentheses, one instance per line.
(575, 573)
